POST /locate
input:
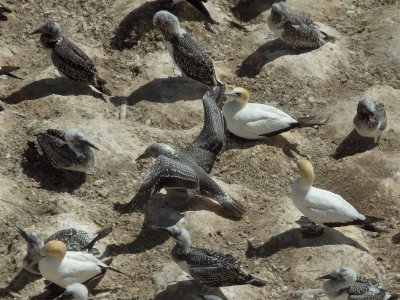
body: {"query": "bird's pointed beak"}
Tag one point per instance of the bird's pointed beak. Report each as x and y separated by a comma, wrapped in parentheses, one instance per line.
(37, 31)
(325, 277)
(90, 144)
(22, 233)
(232, 94)
(140, 157)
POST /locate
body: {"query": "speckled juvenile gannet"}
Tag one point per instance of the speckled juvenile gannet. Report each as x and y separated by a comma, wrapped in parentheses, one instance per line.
(186, 54)
(188, 168)
(370, 120)
(68, 58)
(6, 70)
(322, 206)
(75, 291)
(344, 284)
(296, 30)
(63, 267)
(198, 4)
(209, 267)
(69, 151)
(256, 121)
(75, 240)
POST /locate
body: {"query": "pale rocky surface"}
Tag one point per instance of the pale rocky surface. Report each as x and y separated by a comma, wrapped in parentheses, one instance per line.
(130, 55)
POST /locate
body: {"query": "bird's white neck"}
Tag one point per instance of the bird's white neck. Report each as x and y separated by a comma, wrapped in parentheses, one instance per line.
(335, 289)
(235, 105)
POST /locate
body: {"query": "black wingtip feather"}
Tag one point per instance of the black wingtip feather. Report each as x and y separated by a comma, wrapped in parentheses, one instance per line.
(257, 282)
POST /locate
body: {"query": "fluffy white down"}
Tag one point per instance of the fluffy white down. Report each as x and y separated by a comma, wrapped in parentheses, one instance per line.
(75, 267)
(255, 120)
(322, 206)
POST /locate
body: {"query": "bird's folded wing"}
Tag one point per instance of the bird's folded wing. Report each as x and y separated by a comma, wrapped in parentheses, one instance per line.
(301, 30)
(211, 141)
(217, 256)
(56, 150)
(62, 235)
(57, 133)
(263, 123)
(220, 274)
(84, 257)
(165, 173)
(79, 52)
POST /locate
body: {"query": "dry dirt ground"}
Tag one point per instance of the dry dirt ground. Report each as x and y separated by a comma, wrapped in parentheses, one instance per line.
(130, 55)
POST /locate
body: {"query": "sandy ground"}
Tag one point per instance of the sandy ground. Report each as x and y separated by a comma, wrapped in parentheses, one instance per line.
(130, 55)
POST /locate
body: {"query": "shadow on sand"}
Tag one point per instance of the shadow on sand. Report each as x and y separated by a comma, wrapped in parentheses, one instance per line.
(188, 290)
(249, 9)
(165, 90)
(396, 239)
(41, 170)
(159, 212)
(294, 238)
(18, 283)
(353, 144)
(268, 52)
(50, 86)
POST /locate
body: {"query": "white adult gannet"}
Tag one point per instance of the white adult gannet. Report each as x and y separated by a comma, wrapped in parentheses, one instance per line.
(322, 206)
(370, 120)
(63, 267)
(345, 284)
(254, 121)
(75, 291)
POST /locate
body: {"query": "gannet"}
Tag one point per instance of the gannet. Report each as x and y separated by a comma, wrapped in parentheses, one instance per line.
(63, 267)
(6, 70)
(370, 120)
(68, 58)
(186, 54)
(344, 284)
(75, 240)
(322, 206)
(198, 4)
(209, 267)
(256, 121)
(75, 291)
(188, 168)
(296, 30)
(69, 151)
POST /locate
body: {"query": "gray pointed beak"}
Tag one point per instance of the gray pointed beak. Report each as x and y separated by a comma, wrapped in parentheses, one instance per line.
(91, 145)
(142, 156)
(37, 31)
(230, 94)
(324, 277)
(22, 233)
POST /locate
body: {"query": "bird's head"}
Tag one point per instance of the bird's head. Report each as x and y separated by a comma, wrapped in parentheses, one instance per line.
(306, 170)
(180, 234)
(155, 150)
(49, 27)
(56, 249)
(278, 12)
(239, 94)
(165, 21)
(76, 138)
(366, 106)
(343, 274)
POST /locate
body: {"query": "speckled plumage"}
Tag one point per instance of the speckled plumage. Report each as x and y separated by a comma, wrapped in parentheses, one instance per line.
(69, 59)
(76, 240)
(53, 144)
(296, 30)
(370, 120)
(186, 53)
(188, 168)
(209, 267)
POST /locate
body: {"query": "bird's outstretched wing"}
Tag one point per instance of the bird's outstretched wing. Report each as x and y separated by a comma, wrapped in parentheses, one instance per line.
(211, 141)
(198, 4)
(192, 60)
(165, 173)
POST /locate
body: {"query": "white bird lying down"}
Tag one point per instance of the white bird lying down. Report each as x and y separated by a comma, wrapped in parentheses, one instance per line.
(345, 284)
(75, 291)
(324, 207)
(256, 121)
(63, 267)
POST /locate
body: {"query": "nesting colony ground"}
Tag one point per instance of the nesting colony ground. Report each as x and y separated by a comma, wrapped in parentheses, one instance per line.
(130, 55)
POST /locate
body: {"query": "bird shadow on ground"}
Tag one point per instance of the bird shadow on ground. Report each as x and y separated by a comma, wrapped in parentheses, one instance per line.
(396, 239)
(247, 10)
(268, 52)
(18, 283)
(139, 21)
(353, 144)
(235, 142)
(40, 169)
(295, 238)
(164, 90)
(188, 290)
(49, 86)
(158, 212)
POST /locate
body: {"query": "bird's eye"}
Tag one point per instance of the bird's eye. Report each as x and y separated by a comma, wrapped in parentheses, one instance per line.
(238, 94)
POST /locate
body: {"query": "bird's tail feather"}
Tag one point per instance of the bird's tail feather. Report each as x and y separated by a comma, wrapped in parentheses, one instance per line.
(231, 207)
(100, 85)
(102, 233)
(309, 122)
(257, 282)
(369, 225)
(393, 297)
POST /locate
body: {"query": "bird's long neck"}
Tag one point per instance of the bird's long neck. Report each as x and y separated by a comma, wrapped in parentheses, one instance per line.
(79, 149)
(50, 40)
(183, 245)
(336, 288)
